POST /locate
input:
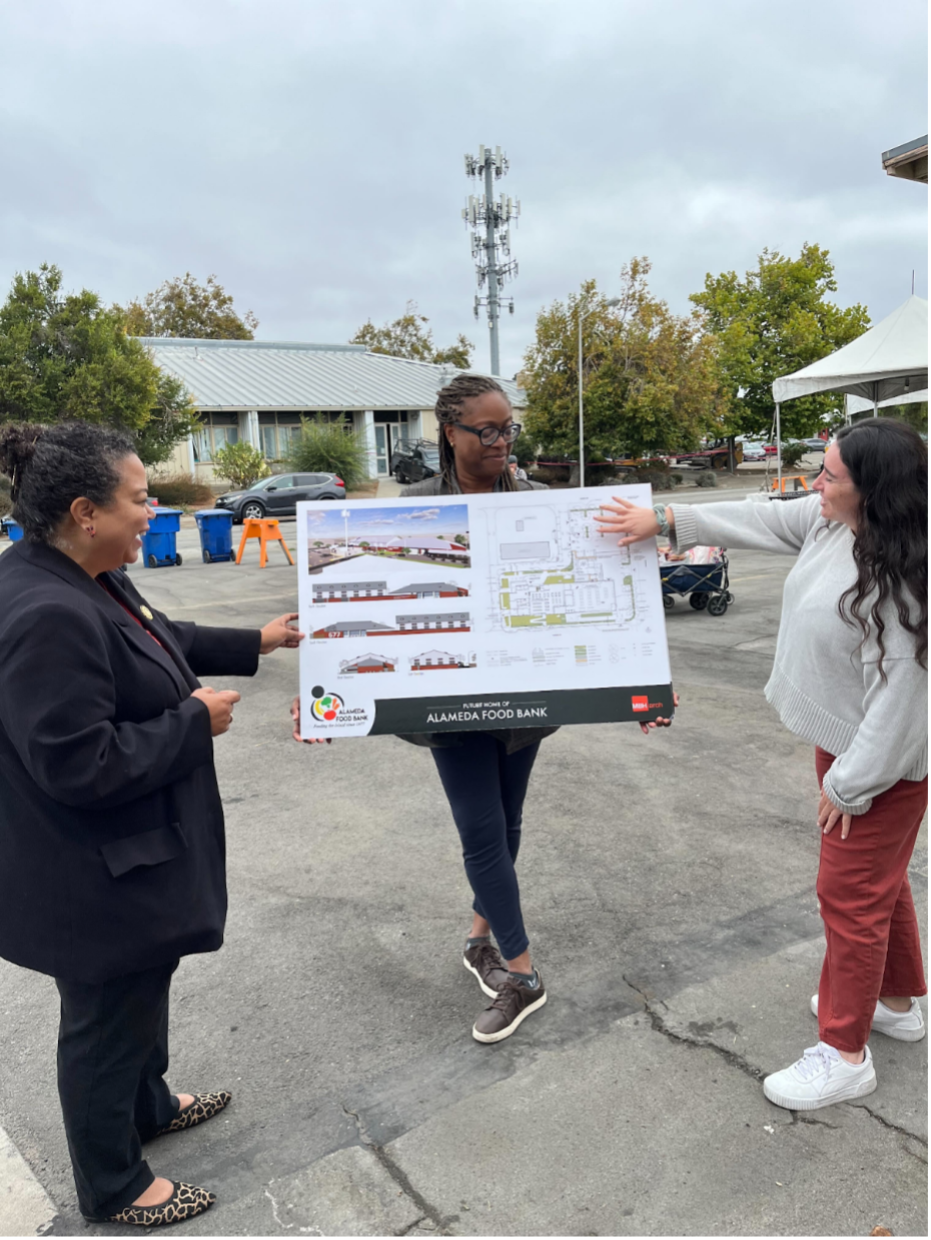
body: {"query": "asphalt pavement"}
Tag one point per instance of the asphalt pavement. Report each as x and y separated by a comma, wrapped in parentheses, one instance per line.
(668, 885)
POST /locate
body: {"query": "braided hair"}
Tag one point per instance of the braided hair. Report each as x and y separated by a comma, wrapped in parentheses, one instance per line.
(448, 410)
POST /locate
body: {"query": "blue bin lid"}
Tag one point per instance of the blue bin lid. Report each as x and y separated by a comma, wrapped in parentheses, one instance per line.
(213, 512)
(169, 512)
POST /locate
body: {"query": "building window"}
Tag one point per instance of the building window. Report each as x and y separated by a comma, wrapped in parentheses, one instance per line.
(216, 431)
(278, 430)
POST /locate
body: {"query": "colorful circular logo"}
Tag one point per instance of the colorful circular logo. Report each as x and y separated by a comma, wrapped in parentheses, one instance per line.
(326, 705)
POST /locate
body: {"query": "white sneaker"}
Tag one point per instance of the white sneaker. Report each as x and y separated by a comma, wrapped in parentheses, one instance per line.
(903, 1026)
(819, 1079)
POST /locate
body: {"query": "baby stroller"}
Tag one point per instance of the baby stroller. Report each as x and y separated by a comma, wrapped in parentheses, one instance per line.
(702, 576)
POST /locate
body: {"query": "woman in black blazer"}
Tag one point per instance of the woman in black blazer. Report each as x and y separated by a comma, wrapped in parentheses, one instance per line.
(112, 853)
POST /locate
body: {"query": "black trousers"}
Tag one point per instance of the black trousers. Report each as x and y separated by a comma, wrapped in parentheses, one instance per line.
(485, 787)
(112, 1057)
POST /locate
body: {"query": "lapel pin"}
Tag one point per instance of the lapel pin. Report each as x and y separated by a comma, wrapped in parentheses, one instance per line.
(145, 611)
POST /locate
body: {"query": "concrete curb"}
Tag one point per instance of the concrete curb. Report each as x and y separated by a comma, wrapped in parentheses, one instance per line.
(25, 1207)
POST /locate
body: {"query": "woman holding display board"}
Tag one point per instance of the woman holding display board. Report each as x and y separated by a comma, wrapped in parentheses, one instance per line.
(485, 775)
(850, 676)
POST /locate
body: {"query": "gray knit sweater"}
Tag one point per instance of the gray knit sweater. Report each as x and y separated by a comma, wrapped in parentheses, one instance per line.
(825, 686)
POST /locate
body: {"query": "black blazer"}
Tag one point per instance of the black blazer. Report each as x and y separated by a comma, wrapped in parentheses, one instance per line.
(112, 850)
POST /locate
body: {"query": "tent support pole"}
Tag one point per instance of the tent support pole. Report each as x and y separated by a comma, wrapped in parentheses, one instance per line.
(778, 450)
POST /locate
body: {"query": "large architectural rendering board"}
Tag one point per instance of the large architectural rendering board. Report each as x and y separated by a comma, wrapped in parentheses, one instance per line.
(488, 611)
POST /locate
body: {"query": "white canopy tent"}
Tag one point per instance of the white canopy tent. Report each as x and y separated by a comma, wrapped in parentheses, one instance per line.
(890, 360)
(857, 404)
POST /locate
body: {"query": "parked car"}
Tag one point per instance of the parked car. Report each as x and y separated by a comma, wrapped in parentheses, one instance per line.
(816, 445)
(754, 451)
(416, 461)
(279, 495)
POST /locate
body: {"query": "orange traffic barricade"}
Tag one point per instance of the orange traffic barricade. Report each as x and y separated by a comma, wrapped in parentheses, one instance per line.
(796, 478)
(266, 530)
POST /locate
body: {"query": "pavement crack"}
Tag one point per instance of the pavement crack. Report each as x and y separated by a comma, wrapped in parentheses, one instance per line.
(406, 1231)
(659, 1025)
(800, 1117)
(904, 1132)
(429, 1212)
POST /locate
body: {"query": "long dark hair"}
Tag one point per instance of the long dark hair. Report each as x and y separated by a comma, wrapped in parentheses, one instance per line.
(449, 409)
(888, 464)
(51, 466)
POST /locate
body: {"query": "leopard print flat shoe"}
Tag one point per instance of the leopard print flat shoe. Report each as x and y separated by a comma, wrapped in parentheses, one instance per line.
(185, 1202)
(204, 1107)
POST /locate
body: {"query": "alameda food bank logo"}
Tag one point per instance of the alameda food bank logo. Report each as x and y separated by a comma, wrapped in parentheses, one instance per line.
(326, 705)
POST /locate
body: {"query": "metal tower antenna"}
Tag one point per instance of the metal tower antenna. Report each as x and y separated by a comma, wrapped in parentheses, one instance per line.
(483, 211)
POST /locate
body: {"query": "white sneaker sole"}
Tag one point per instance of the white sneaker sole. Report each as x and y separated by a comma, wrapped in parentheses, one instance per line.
(900, 1035)
(492, 994)
(859, 1090)
(506, 1033)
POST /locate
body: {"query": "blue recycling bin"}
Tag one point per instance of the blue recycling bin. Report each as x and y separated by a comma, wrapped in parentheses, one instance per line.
(14, 529)
(216, 534)
(158, 545)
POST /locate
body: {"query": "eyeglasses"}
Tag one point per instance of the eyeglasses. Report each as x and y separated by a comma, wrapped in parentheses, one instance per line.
(490, 434)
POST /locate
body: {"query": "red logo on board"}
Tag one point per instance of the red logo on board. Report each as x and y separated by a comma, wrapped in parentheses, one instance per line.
(640, 703)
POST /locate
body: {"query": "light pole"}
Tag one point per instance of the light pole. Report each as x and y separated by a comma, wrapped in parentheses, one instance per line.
(614, 301)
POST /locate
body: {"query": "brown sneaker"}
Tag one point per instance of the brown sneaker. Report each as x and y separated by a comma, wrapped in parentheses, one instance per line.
(484, 960)
(512, 1003)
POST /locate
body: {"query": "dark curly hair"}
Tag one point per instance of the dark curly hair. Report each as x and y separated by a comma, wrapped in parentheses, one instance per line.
(51, 466)
(449, 409)
(888, 464)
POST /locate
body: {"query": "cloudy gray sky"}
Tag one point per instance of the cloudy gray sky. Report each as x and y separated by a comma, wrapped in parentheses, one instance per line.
(310, 153)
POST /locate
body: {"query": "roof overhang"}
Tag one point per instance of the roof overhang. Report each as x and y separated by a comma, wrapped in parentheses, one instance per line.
(909, 161)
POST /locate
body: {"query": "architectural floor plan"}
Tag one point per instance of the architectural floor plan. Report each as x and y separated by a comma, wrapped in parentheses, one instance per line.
(550, 567)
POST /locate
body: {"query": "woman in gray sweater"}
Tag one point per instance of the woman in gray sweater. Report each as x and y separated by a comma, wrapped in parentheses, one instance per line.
(850, 675)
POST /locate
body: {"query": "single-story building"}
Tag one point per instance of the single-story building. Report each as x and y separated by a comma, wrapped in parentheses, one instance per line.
(368, 663)
(258, 391)
(908, 161)
(360, 591)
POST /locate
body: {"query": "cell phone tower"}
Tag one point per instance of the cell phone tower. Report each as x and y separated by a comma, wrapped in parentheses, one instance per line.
(490, 248)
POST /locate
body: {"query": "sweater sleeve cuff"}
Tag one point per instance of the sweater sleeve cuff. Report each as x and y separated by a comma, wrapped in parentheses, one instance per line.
(684, 533)
(846, 807)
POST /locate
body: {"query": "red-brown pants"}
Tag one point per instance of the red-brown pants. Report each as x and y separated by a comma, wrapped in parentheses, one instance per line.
(870, 925)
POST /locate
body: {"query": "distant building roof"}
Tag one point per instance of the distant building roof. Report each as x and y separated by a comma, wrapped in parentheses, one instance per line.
(263, 374)
(427, 587)
(346, 626)
(909, 161)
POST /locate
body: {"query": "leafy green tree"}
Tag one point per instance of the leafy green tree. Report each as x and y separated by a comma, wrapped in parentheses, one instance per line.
(408, 336)
(649, 376)
(774, 321)
(182, 307)
(241, 464)
(68, 356)
(324, 447)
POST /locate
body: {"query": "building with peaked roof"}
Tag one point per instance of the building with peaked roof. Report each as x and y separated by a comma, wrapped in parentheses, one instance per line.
(258, 390)
(366, 664)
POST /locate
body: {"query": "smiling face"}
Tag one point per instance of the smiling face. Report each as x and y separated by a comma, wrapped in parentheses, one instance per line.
(118, 525)
(476, 463)
(840, 499)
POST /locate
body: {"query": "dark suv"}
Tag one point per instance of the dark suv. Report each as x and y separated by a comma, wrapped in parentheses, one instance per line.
(279, 495)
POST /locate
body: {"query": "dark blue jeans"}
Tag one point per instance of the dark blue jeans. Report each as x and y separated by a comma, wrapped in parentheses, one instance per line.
(485, 787)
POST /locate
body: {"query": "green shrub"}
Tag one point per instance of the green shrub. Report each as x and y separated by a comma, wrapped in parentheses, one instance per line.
(6, 502)
(180, 491)
(658, 479)
(241, 464)
(707, 478)
(324, 447)
(792, 454)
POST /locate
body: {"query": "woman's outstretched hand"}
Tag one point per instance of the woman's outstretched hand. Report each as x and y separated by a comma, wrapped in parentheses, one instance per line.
(633, 523)
(646, 728)
(281, 632)
(296, 732)
(829, 816)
